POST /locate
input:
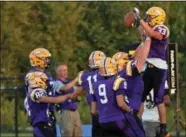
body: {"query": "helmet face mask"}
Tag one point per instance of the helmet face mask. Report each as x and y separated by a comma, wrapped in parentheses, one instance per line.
(48, 61)
(148, 18)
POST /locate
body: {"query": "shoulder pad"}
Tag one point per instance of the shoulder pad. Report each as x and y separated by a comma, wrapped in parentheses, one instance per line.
(117, 83)
(80, 77)
(163, 29)
(129, 68)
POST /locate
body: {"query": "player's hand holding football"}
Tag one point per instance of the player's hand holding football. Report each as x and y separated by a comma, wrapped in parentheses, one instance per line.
(137, 17)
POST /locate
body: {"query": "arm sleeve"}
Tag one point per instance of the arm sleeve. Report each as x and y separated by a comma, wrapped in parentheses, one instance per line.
(37, 93)
(93, 98)
(120, 92)
(122, 88)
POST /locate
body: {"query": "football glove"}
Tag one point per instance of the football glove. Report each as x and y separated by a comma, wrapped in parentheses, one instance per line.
(137, 17)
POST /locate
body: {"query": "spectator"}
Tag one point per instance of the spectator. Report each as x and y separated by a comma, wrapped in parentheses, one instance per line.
(66, 113)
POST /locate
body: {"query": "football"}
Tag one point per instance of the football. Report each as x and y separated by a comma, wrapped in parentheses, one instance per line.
(129, 19)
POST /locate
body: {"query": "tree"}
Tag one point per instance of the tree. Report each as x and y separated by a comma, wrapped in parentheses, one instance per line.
(71, 31)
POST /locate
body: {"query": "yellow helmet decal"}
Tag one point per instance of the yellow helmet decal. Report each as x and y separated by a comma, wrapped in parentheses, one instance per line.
(121, 59)
(38, 58)
(108, 67)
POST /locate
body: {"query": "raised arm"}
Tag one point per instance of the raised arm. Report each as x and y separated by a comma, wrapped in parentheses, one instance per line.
(141, 54)
(69, 85)
(58, 86)
(150, 31)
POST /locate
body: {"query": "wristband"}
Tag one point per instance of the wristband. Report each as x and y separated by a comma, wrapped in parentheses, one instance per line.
(148, 38)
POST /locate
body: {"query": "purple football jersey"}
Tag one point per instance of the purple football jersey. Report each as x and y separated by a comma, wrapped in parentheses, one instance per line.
(159, 47)
(105, 96)
(37, 112)
(49, 89)
(88, 78)
(135, 84)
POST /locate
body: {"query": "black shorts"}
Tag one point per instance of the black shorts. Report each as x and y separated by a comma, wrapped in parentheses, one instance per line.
(113, 129)
(96, 127)
(154, 78)
(44, 129)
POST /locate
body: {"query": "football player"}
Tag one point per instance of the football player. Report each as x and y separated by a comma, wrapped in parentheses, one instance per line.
(108, 97)
(85, 80)
(156, 72)
(40, 61)
(131, 71)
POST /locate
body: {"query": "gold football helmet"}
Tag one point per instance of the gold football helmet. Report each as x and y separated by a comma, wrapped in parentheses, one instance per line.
(108, 67)
(37, 80)
(95, 59)
(155, 16)
(121, 59)
(40, 58)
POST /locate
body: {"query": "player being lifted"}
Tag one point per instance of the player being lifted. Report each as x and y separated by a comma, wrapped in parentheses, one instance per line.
(131, 69)
(40, 86)
(156, 72)
(108, 99)
(85, 80)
